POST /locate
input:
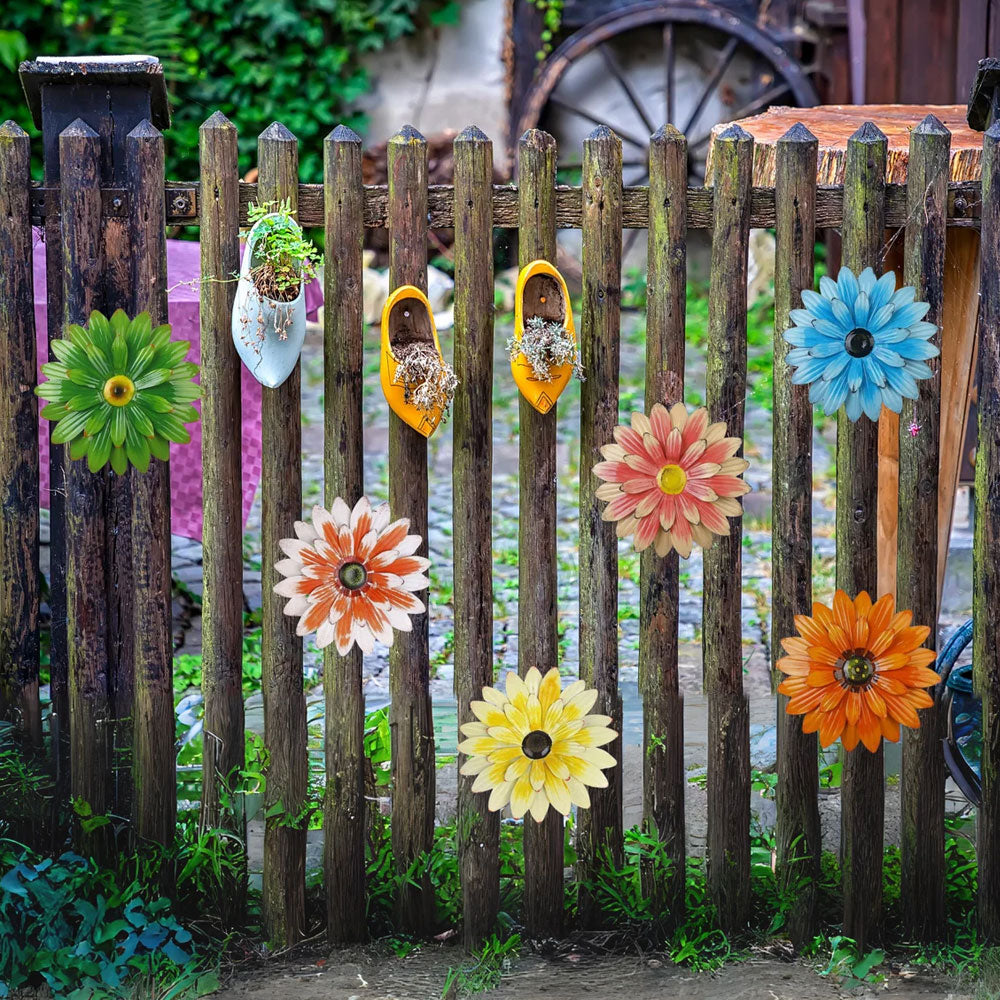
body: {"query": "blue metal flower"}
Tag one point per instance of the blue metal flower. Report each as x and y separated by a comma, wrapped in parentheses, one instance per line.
(860, 342)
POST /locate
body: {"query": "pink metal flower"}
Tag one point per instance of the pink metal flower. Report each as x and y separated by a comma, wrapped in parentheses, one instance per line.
(671, 479)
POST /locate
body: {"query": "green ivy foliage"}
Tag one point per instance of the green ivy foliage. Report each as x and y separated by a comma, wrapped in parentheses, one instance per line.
(294, 61)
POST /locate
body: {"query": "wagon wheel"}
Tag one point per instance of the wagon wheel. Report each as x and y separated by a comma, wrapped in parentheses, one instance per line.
(688, 62)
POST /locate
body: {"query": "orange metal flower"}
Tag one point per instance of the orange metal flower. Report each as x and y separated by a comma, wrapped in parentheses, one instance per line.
(349, 575)
(671, 479)
(857, 672)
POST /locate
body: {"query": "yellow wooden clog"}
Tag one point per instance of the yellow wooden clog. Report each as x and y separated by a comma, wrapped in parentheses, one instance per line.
(406, 319)
(541, 291)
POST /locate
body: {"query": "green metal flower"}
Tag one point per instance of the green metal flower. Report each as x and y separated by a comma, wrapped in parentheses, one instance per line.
(121, 391)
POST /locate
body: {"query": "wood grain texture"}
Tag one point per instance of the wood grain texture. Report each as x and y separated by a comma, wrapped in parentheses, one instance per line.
(281, 651)
(963, 200)
(222, 514)
(834, 125)
(90, 707)
(922, 836)
(663, 704)
(472, 486)
(863, 792)
(797, 823)
(728, 855)
(343, 455)
(154, 774)
(19, 591)
(599, 829)
(537, 600)
(413, 776)
(986, 569)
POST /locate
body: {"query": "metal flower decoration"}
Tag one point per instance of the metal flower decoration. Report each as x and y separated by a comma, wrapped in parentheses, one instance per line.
(860, 342)
(671, 479)
(350, 575)
(857, 671)
(120, 391)
(536, 745)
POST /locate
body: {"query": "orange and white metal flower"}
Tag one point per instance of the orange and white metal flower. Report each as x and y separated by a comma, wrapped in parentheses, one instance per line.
(671, 479)
(350, 575)
(857, 671)
(535, 745)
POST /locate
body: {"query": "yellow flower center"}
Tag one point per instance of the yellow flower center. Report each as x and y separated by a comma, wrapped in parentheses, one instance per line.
(672, 479)
(353, 575)
(858, 669)
(119, 390)
(536, 745)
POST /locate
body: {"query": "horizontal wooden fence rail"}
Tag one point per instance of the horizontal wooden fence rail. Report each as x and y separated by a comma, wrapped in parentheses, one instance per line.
(183, 201)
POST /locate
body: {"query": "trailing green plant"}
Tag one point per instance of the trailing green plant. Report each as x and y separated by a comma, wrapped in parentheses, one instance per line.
(485, 969)
(283, 257)
(69, 924)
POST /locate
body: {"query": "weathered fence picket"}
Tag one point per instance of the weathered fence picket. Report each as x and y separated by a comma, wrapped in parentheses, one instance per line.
(986, 569)
(343, 476)
(222, 496)
(862, 793)
(90, 712)
(537, 596)
(599, 832)
(663, 778)
(154, 779)
(797, 822)
(284, 884)
(410, 719)
(19, 590)
(728, 855)
(472, 489)
(922, 839)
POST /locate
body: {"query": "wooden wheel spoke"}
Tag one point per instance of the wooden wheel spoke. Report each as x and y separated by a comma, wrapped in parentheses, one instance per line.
(668, 62)
(615, 70)
(715, 77)
(587, 116)
(753, 107)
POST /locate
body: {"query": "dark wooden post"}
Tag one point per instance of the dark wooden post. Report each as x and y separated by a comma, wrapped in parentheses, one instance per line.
(409, 659)
(537, 600)
(154, 756)
(18, 444)
(923, 865)
(222, 496)
(863, 792)
(798, 831)
(472, 487)
(90, 713)
(112, 96)
(986, 569)
(663, 705)
(600, 827)
(343, 453)
(284, 885)
(725, 392)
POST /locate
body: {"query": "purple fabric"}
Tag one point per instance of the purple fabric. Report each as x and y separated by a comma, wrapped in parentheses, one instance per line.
(183, 270)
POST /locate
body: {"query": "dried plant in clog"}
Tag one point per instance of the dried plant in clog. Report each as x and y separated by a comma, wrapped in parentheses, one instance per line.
(546, 345)
(120, 391)
(428, 380)
(535, 745)
(857, 671)
(350, 575)
(671, 479)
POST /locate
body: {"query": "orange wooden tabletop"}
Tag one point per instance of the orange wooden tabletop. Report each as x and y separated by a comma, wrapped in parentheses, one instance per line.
(833, 124)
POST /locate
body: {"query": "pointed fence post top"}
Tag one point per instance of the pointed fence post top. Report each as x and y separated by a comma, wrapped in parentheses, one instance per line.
(216, 121)
(276, 132)
(868, 134)
(798, 133)
(343, 133)
(407, 135)
(472, 133)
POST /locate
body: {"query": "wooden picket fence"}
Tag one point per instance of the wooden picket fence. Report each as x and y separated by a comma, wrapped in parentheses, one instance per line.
(111, 658)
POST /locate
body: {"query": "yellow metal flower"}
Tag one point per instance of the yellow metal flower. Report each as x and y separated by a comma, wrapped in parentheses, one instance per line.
(535, 745)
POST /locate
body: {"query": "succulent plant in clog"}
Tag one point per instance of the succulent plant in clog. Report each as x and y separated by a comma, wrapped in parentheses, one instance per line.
(120, 391)
(269, 313)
